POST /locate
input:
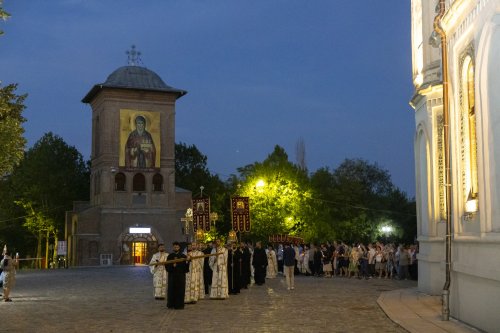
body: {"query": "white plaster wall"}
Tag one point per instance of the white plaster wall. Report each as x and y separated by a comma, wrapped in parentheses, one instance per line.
(490, 103)
(475, 284)
(475, 281)
(431, 274)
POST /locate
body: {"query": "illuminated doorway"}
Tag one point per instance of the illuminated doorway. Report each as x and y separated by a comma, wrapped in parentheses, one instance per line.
(139, 252)
(136, 246)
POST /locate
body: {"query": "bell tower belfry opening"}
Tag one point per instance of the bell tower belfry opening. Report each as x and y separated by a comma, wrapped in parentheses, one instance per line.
(132, 177)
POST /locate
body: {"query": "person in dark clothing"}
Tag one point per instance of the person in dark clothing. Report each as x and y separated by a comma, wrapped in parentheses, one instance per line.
(259, 264)
(245, 272)
(318, 264)
(207, 271)
(233, 269)
(289, 264)
(176, 278)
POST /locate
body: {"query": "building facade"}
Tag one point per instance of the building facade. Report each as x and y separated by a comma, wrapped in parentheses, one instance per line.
(472, 120)
(134, 203)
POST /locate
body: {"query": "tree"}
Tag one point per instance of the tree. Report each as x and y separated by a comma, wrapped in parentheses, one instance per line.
(11, 120)
(356, 199)
(40, 226)
(3, 15)
(279, 195)
(51, 177)
(11, 130)
(191, 172)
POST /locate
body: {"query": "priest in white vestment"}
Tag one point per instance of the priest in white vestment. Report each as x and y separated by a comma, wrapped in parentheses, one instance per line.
(159, 272)
(218, 264)
(195, 288)
(272, 263)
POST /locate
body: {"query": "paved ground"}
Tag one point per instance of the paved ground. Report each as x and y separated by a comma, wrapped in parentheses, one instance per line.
(120, 299)
(418, 312)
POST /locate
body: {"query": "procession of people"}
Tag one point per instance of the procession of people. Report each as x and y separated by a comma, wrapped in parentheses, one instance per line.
(216, 270)
(209, 271)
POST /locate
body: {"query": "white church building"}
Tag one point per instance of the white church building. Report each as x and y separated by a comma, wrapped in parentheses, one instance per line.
(456, 75)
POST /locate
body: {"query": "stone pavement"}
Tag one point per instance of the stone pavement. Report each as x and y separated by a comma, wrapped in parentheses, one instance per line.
(418, 312)
(120, 299)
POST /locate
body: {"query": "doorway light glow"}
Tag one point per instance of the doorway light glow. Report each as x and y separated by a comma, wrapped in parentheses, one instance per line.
(136, 230)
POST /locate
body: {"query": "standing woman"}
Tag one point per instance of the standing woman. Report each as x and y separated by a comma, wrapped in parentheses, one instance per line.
(272, 263)
(9, 266)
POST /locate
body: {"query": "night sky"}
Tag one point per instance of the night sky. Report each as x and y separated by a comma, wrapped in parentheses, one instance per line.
(258, 73)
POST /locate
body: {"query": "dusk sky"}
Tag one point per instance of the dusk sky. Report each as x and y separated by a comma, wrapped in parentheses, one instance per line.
(258, 73)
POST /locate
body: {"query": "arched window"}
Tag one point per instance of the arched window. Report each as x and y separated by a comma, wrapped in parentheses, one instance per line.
(157, 183)
(468, 137)
(139, 183)
(120, 182)
(472, 130)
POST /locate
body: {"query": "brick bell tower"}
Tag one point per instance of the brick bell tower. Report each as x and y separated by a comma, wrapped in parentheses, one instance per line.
(134, 203)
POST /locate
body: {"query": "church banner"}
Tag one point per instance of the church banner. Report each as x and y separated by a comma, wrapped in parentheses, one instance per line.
(240, 214)
(201, 214)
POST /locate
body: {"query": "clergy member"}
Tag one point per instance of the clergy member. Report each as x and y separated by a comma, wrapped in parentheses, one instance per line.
(234, 269)
(207, 271)
(259, 262)
(245, 269)
(176, 278)
(195, 288)
(218, 264)
(159, 272)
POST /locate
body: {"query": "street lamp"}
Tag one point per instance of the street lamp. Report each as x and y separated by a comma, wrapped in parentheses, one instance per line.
(387, 230)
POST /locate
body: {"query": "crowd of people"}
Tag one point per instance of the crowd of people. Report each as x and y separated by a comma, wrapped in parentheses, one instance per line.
(216, 270)
(373, 260)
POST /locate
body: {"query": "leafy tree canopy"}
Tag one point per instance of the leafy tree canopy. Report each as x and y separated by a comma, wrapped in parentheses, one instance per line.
(51, 176)
(3, 15)
(11, 130)
(279, 195)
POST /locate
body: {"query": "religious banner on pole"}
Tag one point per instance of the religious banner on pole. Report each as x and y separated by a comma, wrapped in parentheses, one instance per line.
(201, 214)
(240, 214)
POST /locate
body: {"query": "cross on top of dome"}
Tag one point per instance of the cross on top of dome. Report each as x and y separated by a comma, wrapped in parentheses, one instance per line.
(134, 57)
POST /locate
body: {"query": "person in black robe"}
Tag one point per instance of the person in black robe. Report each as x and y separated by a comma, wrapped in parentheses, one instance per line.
(318, 269)
(259, 264)
(207, 271)
(233, 269)
(245, 271)
(176, 278)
